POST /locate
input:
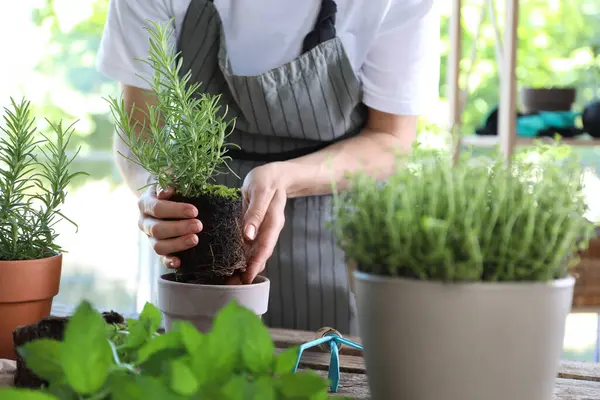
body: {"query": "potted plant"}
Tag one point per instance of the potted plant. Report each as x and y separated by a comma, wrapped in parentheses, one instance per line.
(462, 273)
(543, 89)
(536, 99)
(98, 360)
(34, 175)
(183, 146)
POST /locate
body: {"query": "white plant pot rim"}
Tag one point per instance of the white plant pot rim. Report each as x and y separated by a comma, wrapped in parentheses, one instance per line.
(556, 283)
(259, 281)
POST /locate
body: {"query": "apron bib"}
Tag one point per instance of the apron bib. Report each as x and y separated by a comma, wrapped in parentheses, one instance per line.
(286, 112)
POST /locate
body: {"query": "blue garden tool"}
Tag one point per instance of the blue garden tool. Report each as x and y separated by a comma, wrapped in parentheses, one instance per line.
(336, 341)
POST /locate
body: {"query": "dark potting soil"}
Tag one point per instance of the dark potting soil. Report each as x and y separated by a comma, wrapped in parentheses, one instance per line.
(47, 328)
(219, 253)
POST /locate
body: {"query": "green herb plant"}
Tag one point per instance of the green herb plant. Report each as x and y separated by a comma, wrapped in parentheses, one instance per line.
(481, 220)
(235, 360)
(34, 175)
(183, 144)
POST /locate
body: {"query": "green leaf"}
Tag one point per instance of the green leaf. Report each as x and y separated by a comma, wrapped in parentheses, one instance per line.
(240, 387)
(218, 353)
(190, 336)
(237, 388)
(153, 315)
(43, 358)
(285, 361)
(125, 386)
(157, 364)
(303, 384)
(142, 329)
(215, 360)
(257, 347)
(139, 333)
(169, 340)
(247, 337)
(182, 378)
(264, 388)
(25, 394)
(86, 354)
(63, 391)
(157, 389)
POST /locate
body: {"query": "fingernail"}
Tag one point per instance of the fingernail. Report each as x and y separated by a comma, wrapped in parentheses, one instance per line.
(190, 212)
(251, 232)
(195, 226)
(192, 241)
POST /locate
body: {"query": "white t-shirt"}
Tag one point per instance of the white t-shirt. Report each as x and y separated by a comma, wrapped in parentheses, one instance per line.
(393, 45)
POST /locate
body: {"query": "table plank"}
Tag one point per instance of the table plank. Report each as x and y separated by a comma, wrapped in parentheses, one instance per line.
(351, 360)
(355, 386)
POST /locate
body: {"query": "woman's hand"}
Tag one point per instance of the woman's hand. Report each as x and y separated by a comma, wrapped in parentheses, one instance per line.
(265, 194)
(168, 237)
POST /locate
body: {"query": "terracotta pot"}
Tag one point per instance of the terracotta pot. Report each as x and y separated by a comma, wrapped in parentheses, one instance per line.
(27, 289)
(547, 99)
(200, 303)
(473, 341)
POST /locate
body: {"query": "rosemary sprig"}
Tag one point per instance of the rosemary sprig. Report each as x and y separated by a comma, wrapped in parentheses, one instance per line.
(182, 141)
(32, 188)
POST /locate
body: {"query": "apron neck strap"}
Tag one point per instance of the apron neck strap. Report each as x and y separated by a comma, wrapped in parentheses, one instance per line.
(324, 28)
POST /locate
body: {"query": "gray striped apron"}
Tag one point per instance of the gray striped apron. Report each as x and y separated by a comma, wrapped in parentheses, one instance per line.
(286, 112)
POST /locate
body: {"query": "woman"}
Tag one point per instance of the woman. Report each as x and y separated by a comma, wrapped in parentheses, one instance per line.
(318, 89)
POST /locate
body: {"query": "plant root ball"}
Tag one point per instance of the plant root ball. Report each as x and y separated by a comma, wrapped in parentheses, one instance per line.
(220, 249)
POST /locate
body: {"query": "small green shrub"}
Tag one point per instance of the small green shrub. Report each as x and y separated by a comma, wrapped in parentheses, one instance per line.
(183, 144)
(34, 175)
(477, 221)
(235, 360)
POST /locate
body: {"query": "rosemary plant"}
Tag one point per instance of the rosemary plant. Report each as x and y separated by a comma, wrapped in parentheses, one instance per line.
(480, 220)
(182, 144)
(32, 188)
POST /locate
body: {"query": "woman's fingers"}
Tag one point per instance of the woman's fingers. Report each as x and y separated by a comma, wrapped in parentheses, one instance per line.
(164, 194)
(171, 226)
(263, 246)
(259, 200)
(159, 229)
(169, 246)
(157, 206)
(170, 262)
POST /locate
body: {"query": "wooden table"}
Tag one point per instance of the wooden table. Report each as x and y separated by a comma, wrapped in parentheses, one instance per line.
(575, 381)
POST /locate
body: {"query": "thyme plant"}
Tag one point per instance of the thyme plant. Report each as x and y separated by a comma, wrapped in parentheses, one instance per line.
(480, 220)
(183, 143)
(32, 188)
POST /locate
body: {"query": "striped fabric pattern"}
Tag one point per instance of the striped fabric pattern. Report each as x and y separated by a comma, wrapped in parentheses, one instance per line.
(313, 99)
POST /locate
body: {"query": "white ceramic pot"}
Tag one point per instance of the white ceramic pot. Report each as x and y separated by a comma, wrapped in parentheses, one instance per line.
(474, 341)
(200, 303)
